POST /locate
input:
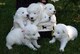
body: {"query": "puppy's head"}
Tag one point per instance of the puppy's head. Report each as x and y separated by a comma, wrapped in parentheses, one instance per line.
(34, 11)
(60, 31)
(45, 17)
(32, 31)
(50, 9)
(22, 12)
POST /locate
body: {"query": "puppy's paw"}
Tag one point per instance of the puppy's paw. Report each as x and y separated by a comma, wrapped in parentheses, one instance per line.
(51, 42)
(38, 46)
(9, 48)
(61, 50)
(72, 39)
(34, 49)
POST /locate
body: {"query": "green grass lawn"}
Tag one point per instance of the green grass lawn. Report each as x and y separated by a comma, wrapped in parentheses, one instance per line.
(68, 12)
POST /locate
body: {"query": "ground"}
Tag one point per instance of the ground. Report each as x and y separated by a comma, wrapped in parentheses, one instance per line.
(68, 12)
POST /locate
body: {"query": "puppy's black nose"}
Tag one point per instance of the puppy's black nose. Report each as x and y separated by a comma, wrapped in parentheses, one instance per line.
(54, 12)
(31, 18)
(27, 15)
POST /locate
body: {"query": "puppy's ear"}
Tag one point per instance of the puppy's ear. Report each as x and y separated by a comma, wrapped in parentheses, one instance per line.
(65, 31)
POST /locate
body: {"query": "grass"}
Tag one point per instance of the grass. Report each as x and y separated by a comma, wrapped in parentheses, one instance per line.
(68, 12)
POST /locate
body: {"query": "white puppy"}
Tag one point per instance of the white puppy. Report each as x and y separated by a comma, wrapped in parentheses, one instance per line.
(50, 9)
(48, 18)
(35, 10)
(64, 34)
(28, 38)
(20, 18)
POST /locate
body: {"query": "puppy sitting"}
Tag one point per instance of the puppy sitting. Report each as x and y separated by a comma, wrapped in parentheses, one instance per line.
(64, 34)
(50, 10)
(20, 18)
(16, 36)
(35, 10)
(48, 18)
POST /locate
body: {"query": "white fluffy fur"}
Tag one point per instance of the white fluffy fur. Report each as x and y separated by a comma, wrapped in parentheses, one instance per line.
(64, 34)
(28, 38)
(48, 18)
(35, 10)
(21, 18)
(48, 22)
(50, 9)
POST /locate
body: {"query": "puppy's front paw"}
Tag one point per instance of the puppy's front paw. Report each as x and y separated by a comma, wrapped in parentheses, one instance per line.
(61, 50)
(51, 42)
(34, 49)
(38, 46)
(9, 47)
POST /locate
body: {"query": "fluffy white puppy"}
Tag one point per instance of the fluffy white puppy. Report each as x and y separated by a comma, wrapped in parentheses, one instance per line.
(20, 18)
(28, 38)
(48, 18)
(64, 34)
(35, 10)
(50, 9)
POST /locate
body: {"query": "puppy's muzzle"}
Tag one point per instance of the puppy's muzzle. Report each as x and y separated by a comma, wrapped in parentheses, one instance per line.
(31, 18)
(54, 12)
(54, 36)
(38, 37)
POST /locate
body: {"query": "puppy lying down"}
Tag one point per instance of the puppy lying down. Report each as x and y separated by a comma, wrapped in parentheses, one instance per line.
(64, 34)
(28, 37)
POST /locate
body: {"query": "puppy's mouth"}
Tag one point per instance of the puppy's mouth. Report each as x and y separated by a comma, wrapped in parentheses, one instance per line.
(54, 12)
(32, 20)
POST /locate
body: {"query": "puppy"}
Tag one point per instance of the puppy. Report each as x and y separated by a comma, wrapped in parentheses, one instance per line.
(28, 38)
(48, 18)
(50, 9)
(21, 18)
(64, 34)
(35, 10)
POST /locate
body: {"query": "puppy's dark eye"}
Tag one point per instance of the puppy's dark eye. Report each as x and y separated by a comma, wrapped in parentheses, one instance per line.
(33, 34)
(58, 33)
(50, 9)
(22, 12)
(45, 16)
